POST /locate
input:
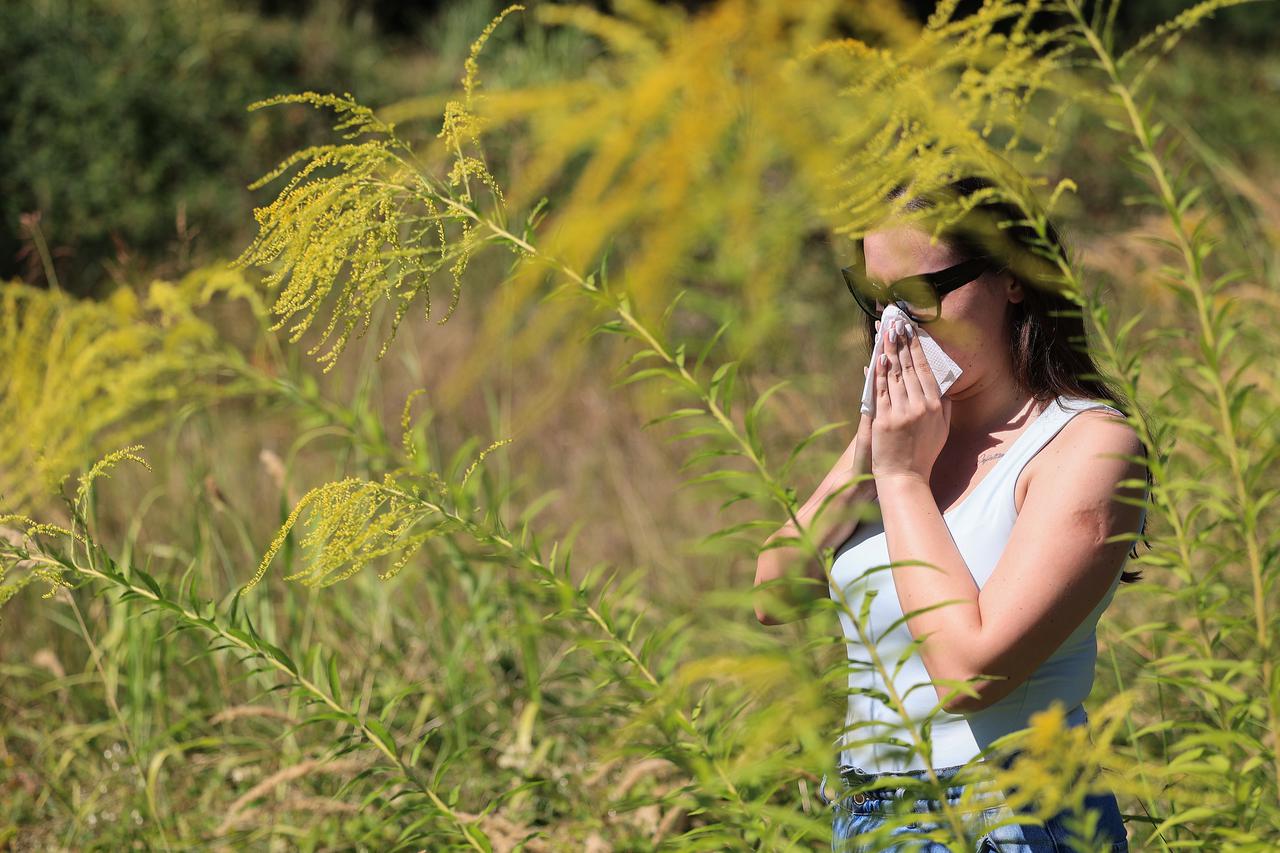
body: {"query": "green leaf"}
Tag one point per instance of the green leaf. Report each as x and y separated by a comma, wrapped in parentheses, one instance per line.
(614, 326)
(753, 415)
(1189, 199)
(379, 731)
(677, 414)
(806, 441)
(335, 685)
(724, 372)
(710, 345)
(149, 581)
(647, 373)
(280, 655)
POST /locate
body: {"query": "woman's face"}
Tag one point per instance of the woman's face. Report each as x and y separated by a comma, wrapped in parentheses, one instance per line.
(972, 324)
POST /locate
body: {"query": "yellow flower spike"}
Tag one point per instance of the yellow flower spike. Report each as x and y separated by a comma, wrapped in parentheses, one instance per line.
(1047, 729)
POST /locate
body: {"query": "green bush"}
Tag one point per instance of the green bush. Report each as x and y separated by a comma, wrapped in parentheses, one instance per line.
(121, 113)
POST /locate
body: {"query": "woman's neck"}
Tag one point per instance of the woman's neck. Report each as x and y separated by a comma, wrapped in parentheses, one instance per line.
(995, 407)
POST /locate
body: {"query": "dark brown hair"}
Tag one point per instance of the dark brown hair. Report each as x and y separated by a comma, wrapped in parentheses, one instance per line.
(1046, 331)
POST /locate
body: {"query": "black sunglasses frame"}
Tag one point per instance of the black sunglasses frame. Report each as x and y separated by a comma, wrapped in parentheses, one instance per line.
(939, 282)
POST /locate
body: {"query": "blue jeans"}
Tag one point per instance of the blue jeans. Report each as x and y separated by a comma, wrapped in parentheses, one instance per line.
(856, 813)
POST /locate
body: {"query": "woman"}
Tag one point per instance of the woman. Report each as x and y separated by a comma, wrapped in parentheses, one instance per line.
(1007, 484)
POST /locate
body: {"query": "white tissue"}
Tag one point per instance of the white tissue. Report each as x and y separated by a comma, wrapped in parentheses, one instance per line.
(945, 370)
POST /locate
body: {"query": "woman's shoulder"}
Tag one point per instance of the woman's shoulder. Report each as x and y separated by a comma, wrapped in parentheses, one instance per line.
(1084, 413)
(1095, 422)
(1092, 433)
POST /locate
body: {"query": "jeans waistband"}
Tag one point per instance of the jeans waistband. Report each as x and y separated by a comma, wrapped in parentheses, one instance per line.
(856, 778)
(860, 780)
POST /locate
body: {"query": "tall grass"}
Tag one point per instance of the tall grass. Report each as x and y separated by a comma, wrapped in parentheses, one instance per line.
(444, 676)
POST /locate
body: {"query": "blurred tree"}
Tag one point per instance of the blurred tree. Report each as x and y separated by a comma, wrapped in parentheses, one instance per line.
(1253, 25)
(125, 120)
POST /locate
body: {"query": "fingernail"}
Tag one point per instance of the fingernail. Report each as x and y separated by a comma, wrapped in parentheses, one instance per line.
(884, 358)
(893, 335)
(911, 332)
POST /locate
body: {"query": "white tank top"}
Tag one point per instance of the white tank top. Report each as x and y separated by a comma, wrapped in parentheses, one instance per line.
(980, 526)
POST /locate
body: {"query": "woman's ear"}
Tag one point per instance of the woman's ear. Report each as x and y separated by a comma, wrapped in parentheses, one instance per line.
(1013, 288)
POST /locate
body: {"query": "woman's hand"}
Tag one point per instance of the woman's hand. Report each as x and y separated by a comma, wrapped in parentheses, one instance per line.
(860, 460)
(859, 454)
(912, 419)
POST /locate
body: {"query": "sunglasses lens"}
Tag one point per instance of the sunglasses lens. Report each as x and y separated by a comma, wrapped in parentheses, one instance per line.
(918, 294)
(868, 294)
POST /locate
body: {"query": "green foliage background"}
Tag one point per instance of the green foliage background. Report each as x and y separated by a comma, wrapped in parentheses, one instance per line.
(544, 512)
(125, 127)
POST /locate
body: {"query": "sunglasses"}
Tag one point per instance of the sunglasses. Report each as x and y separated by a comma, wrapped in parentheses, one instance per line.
(919, 296)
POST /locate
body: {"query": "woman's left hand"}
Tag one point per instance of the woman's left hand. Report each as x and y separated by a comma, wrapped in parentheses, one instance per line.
(912, 419)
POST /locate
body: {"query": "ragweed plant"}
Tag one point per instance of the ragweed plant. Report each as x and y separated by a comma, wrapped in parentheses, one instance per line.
(679, 109)
(697, 155)
(354, 523)
(1196, 648)
(53, 551)
(640, 152)
(79, 377)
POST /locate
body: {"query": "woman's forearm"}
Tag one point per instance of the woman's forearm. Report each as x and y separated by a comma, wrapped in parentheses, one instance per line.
(828, 529)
